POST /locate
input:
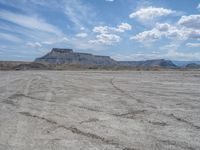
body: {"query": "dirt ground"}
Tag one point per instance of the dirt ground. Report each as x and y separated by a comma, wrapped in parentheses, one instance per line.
(103, 110)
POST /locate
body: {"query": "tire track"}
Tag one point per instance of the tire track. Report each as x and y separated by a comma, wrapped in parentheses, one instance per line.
(18, 130)
(123, 91)
(182, 145)
(182, 121)
(77, 131)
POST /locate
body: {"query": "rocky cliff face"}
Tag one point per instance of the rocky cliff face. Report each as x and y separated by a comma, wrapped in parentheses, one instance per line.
(67, 56)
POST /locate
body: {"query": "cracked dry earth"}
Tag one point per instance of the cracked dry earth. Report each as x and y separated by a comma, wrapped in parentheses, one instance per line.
(104, 110)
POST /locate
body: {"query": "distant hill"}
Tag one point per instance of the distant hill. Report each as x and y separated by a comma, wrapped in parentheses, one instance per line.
(184, 63)
(67, 56)
(31, 66)
(161, 63)
(20, 65)
(192, 66)
(9, 65)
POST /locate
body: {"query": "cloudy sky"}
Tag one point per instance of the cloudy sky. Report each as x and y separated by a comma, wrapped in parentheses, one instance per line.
(122, 29)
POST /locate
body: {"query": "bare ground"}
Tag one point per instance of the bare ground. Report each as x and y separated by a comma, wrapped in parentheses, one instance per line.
(105, 110)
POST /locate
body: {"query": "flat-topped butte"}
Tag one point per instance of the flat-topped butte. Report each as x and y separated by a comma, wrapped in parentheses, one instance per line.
(67, 56)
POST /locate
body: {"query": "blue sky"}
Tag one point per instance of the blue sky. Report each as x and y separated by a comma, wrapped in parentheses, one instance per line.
(122, 29)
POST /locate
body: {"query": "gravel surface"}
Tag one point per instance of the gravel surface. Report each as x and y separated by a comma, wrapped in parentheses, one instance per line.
(102, 110)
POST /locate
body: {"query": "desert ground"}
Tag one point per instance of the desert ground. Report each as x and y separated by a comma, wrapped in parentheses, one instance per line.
(100, 110)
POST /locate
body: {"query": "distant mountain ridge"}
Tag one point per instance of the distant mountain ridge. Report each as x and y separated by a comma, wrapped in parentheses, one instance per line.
(192, 66)
(149, 63)
(184, 63)
(68, 56)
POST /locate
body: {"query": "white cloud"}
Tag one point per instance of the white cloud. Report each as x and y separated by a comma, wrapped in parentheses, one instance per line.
(192, 34)
(198, 7)
(154, 34)
(9, 37)
(101, 29)
(150, 13)
(168, 31)
(30, 22)
(34, 44)
(192, 21)
(109, 0)
(170, 47)
(64, 39)
(149, 36)
(193, 45)
(81, 35)
(82, 28)
(107, 35)
(123, 27)
(31, 35)
(79, 13)
(163, 26)
(105, 39)
(175, 55)
(106, 29)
